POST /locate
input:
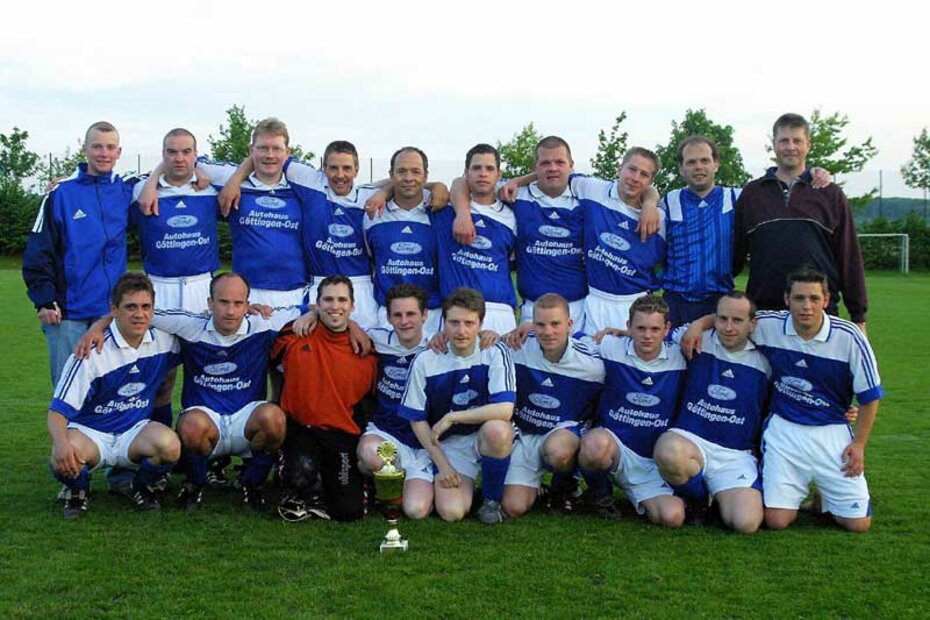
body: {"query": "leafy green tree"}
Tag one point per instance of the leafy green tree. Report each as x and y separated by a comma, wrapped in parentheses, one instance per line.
(518, 156)
(610, 149)
(696, 122)
(916, 172)
(17, 163)
(56, 167)
(232, 143)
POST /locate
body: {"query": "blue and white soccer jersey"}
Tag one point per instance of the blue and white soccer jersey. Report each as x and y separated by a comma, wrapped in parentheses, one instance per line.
(721, 410)
(403, 246)
(110, 396)
(334, 237)
(813, 384)
(636, 406)
(485, 264)
(266, 243)
(619, 266)
(440, 383)
(394, 361)
(179, 245)
(550, 238)
(550, 396)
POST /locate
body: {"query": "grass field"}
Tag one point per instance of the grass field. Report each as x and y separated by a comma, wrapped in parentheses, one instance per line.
(221, 562)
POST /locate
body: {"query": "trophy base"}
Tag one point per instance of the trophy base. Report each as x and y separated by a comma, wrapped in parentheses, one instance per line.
(393, 542)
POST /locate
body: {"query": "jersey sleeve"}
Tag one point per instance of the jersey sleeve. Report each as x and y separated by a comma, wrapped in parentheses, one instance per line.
(866, 383)
(219, 172)
(583, 186)
(502, 378)
(303, 174)
(178, 322)
(40, 261)
(73, 387)
(282, 316)
(413, 404)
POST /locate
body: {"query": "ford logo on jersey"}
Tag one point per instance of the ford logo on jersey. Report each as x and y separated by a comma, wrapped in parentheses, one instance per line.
(555, 232)
(181, 221)
(463, 398)
(544, 401)
(131, 389)
(406, 247)
(642, 400)
(223, 368)
(270, 202)
(481, 243)
(614, 241)
(720, 392)
(340, 230)
(798, 383)
(398, 374)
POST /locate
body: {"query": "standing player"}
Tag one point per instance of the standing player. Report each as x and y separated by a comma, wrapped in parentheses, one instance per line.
(641, 389)
(559, 380)
(459, 404)
(396, 349)
(709, 448)
(483, 264)
(100, 413)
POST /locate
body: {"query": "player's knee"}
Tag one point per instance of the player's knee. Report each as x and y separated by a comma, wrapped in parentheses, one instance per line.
(272, 421)
(168, 447)
(496, 436)
(515, 507)
(594, 452)
(193, 430)
(417, 507)
(858, 526)
(561, 458)
(779, 519)
(451, 512)
(669, 452)
(672, 516)
(743, 523)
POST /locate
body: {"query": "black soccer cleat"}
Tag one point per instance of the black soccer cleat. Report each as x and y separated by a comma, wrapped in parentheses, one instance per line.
(190, 497)
(75, 503)
(253, 498)
(145, 498)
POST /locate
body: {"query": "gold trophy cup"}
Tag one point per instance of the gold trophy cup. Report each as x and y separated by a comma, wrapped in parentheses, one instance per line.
(389, 491)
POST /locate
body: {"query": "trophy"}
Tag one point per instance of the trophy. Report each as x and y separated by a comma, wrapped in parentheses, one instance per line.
(389, 491)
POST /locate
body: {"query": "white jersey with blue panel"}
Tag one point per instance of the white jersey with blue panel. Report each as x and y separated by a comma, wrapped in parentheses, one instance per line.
(550, 241)
(394, 362)
(485, 264)
(333, 229)
(266, 244)
(442, 382)
(224, 373)
(182, 239)
(559, 394)
(814, 381)
(616, 260)
(724, 396)
(115, 389)
(403, 246)
(639, 398)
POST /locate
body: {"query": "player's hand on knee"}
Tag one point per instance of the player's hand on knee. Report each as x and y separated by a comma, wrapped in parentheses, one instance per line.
(448, 478)
(65, 459)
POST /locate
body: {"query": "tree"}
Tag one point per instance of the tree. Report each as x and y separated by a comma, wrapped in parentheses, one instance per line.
(696, 122)
(234, 138)
(17, 163)
(916, 172)
(518, 157)
(58, 167)
(609, 150)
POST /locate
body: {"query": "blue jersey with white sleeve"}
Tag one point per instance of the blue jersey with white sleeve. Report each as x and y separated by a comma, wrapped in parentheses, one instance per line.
(181, 240)
(725, 392)
(550, 241)
(558, 394)
(616, 260)
(442, 382)
(332, 229)
(485, 264)
(224, 373)
(113, 390)
(403, 245)
(639, 398)
(394, 362)
(814, 381)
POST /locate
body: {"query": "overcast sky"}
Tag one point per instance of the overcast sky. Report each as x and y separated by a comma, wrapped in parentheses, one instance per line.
(444, 75)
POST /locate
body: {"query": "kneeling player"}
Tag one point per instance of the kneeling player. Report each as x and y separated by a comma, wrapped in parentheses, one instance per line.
(559, 380)
(459, 404)
(102, 404)
(396, 348)
(641, 386)
(709, 447)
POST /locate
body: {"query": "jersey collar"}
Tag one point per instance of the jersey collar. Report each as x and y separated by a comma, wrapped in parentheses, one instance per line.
(281, 184)
(120, 341)
(535, 192)
(243, 327)
(631, 351)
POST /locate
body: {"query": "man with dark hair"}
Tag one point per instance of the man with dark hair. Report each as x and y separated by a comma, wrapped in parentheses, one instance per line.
(100, 414)
(781, 223)
(459, 404)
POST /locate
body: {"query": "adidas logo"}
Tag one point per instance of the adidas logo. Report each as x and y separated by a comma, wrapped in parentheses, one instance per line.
(180, 205)
(338, 211)
(647, 381)
(480, 224)
(134, 369)
(79, 215)
(741, 477)
(801, 364)
(554, 215)
(464, 379)
(402, 360)
(728, 373)
(406, 230)
(547, 382)
(624, 225)
(221, 353)
(855, 506)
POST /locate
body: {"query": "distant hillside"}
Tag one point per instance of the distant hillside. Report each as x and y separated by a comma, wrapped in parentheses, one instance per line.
(893, 209)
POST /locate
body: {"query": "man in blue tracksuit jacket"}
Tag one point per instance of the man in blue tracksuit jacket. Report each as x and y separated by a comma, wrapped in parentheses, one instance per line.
(77, 248)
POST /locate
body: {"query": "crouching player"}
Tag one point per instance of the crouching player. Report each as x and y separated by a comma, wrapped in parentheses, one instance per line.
(643, 376)
(459, 404)
(708, 450)
(559, 380)
(396, 348)
(100, 412)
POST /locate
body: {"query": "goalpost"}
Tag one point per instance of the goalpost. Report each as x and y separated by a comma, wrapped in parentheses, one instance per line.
(904, 245)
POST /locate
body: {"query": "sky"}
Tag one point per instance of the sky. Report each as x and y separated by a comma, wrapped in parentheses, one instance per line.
(444, 76)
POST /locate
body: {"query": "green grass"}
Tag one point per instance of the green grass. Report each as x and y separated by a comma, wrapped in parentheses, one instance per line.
(222, 562)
